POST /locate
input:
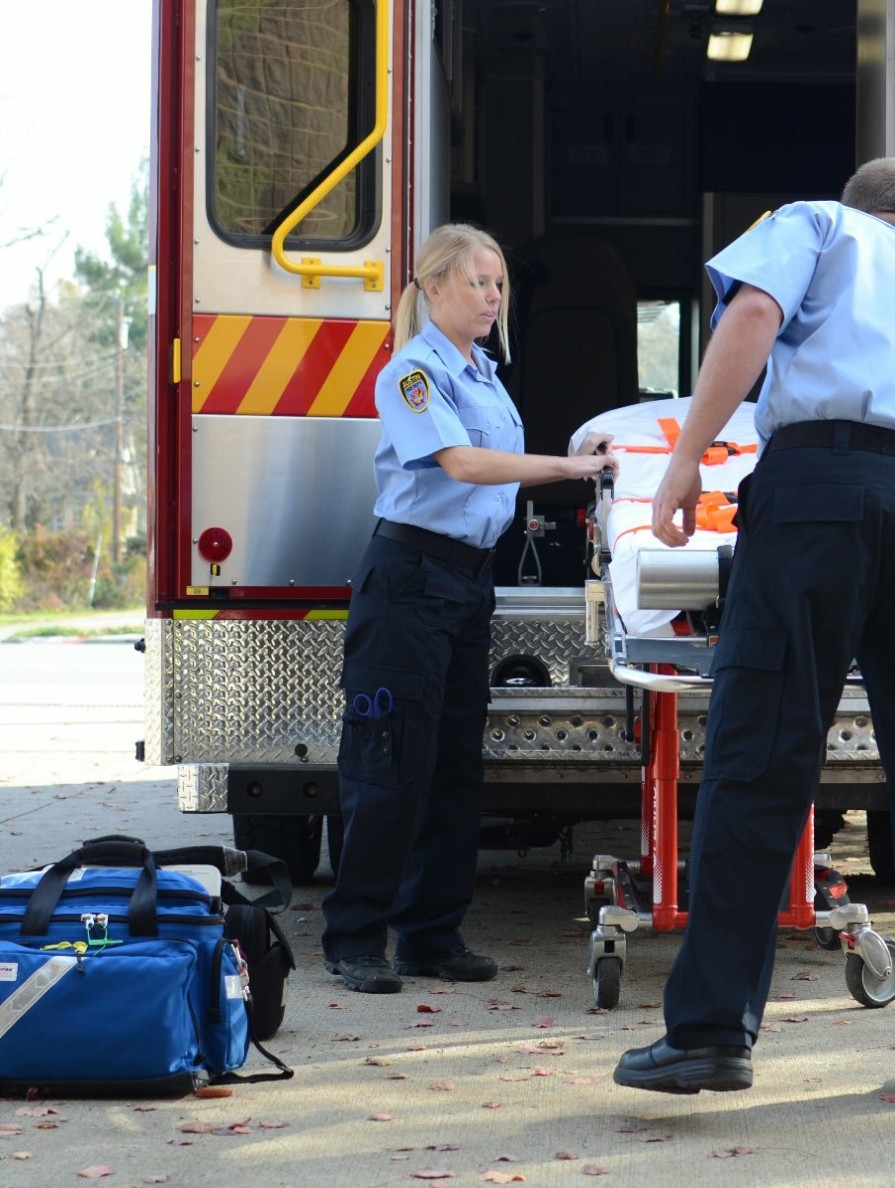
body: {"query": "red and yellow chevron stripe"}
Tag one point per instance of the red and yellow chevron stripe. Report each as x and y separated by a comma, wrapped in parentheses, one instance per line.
(269, 366)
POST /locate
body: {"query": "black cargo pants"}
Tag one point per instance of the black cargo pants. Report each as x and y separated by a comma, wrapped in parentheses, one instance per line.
(410, 781)
(811, 590)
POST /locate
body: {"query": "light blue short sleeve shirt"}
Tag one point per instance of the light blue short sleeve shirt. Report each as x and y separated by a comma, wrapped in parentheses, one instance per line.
(430, 397)
(830, 269)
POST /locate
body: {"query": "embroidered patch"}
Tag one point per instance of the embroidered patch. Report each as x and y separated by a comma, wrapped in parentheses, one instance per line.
(415, 391)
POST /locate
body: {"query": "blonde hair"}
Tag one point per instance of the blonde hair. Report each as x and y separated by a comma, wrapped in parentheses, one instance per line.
(448, 252)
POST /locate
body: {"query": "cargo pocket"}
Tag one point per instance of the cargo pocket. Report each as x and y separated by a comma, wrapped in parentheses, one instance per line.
(372, 748)
(441, 598)
(745, 706)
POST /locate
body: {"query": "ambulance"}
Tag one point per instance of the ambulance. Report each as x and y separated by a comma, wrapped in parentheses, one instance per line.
(301, 151)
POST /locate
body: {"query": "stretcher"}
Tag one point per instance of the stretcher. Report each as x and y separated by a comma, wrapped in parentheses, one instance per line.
(657, 613)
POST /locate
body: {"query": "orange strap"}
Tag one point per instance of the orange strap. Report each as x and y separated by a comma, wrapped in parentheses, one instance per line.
(715, 511)
(717, 452)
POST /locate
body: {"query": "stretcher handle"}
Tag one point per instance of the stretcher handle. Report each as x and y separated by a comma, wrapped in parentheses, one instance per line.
(659, 682)
(111, 851)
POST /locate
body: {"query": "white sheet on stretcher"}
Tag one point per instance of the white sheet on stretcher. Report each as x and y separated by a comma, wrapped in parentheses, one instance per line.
(627, 529)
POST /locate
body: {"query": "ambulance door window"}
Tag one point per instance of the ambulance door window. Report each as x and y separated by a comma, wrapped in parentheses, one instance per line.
(663, 334)
(290, 95)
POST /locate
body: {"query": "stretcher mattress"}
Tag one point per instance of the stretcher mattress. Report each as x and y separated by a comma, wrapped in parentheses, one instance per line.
(627, 528)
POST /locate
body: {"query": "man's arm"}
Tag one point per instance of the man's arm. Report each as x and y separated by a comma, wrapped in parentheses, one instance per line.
(736, 354)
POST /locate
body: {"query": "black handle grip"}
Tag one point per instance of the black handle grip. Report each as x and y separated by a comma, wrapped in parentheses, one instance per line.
(141, 911)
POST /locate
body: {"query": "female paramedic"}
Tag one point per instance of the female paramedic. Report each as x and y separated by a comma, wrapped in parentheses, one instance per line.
(415, 669)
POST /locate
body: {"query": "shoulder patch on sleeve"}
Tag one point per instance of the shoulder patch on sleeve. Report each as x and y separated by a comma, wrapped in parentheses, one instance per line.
(415, 390)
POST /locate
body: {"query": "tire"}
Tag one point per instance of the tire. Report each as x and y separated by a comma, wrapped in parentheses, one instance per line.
(865, 987)
(607, 983)
(296, 840)
(879, 844)
(827, 823)
(828, 938)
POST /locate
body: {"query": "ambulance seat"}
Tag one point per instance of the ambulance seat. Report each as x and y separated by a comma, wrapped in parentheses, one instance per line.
(575, 345)
(575, 355)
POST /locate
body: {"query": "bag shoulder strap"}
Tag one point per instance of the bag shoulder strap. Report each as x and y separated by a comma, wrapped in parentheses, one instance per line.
(285, 1073)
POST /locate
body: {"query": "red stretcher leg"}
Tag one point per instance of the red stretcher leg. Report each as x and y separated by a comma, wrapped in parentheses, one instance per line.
(800, 912)
(665, 762)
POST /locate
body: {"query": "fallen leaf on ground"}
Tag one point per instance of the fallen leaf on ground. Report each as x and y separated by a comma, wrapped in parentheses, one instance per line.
(213, 1091)
(565, 1155)
(11, 1128)
(96, 1171)
(733, 1152)
(425, 1009)
(442, 1086)
(491, 1105)
(499, 1177)
(591, 1169)
(432, 1173)
(381, 1118)
(20, 1155)
(543, 1021)
(35, 1111)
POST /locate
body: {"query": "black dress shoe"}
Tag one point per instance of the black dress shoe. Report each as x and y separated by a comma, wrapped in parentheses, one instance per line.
(685, 1070)
(459, 966)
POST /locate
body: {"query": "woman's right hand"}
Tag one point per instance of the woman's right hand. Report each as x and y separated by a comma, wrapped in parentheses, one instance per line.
(589, 466)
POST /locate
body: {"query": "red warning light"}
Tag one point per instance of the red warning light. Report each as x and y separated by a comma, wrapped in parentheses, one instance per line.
(215, 544)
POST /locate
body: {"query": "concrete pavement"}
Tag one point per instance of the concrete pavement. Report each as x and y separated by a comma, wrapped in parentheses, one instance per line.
(502, 1082)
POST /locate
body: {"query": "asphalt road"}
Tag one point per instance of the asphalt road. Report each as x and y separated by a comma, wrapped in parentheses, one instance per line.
(502, 1082)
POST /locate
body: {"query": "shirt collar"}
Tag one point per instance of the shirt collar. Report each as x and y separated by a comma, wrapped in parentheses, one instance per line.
(453, 358)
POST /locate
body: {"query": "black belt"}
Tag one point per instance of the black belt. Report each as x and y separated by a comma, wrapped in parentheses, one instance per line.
(839, 435)
(455, 552)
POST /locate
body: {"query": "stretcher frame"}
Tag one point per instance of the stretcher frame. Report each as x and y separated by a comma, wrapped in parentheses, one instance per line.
(614, 889)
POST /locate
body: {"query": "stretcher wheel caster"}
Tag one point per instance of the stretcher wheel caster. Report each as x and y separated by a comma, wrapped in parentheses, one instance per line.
(866, 986)
(607, 982)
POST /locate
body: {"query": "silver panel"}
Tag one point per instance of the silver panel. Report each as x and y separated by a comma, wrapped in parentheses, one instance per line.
(158, 693)
(202, 788)
(296, 494)
(874, 80)
(251, 691)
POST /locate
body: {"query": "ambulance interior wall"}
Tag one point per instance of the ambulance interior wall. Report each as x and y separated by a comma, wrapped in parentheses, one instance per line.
(663, 177)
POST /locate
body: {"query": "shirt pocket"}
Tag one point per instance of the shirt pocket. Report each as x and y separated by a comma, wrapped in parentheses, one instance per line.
(477, 423)
(744, 710)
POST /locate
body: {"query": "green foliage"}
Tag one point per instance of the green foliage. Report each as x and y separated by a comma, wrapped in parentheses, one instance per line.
(11, 587)
(57, 569)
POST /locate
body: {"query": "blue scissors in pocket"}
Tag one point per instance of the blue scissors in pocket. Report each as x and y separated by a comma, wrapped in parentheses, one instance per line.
(380, 705)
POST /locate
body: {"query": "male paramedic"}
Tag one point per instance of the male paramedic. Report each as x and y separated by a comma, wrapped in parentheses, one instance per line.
(808, 292)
